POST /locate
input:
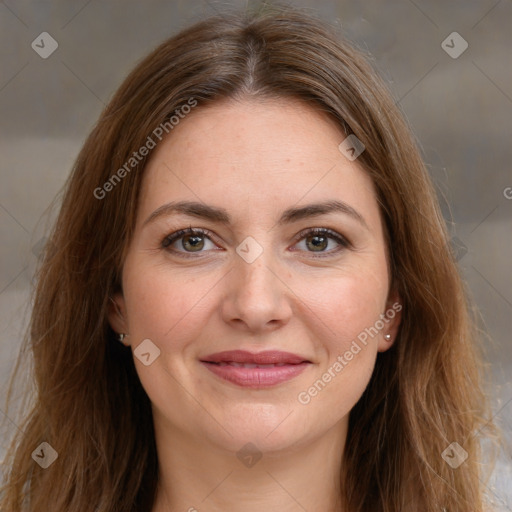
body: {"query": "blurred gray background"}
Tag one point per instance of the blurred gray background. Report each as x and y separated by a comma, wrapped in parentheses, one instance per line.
(459, 104)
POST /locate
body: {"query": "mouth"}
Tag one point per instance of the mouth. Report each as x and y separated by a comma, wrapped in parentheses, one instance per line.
(255, 370)
(247, 365)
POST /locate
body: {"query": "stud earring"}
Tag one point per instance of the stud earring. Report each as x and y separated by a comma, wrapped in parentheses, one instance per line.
(387, 337)
(121, 336)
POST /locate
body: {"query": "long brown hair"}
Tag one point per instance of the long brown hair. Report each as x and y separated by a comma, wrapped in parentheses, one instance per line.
(89, 405)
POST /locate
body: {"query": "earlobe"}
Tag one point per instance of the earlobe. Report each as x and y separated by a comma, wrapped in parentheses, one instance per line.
(117, 317)
(393, 316)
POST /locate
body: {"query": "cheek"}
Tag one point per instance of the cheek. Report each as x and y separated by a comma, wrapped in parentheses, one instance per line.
(345, 313)
(161, 304)
(346, 304)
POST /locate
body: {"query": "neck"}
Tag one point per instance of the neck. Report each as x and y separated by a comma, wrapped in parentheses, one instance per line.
(196, 476)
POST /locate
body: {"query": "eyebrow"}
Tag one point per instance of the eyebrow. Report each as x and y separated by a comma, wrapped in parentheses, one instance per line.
(221, 216)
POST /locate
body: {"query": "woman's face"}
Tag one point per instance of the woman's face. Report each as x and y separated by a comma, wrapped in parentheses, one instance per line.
(261, 175)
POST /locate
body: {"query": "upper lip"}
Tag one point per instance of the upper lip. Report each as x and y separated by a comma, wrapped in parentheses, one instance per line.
(243, 356)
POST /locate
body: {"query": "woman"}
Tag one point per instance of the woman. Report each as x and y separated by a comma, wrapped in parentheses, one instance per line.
(249, 301)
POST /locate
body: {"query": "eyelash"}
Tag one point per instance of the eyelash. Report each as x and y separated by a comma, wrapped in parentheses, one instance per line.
(173, 237)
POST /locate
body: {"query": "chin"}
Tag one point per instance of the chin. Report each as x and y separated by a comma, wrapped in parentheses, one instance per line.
(270, 429)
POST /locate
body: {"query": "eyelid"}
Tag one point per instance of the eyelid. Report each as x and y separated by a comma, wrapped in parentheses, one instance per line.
(322, 231)
(330, 233)
(176, 235)
(340, 239)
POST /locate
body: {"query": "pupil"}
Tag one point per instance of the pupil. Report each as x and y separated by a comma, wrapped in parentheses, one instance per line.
(318, 242)
(195, 241)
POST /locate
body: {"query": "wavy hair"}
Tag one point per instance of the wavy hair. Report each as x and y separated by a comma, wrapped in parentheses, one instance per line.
(88, 403)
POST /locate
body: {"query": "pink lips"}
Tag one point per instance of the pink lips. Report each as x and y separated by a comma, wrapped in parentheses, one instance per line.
(255, 370)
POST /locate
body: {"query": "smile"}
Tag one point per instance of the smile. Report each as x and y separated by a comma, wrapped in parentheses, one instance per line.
(250, 365)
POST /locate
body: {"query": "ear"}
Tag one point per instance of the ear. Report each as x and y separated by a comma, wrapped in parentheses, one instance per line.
(392, 318)
(117, 316)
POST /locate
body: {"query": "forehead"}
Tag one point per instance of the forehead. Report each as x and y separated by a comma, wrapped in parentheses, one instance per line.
(255, 155)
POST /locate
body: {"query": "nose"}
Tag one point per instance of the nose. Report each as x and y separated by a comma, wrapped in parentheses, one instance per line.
(256, 297)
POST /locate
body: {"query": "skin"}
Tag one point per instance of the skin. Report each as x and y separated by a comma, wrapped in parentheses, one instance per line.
(255, 159)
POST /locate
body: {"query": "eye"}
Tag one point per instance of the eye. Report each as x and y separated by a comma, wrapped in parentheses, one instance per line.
(196, 240)
(189, 240)
(318, 240)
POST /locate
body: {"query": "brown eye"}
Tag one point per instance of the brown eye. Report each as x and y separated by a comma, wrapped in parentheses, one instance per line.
(323, 241)
(317, 243)
(192, 242)
(186, 241)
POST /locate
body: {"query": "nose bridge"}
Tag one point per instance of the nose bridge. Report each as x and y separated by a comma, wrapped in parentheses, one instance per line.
(256, 296)
(253, 273)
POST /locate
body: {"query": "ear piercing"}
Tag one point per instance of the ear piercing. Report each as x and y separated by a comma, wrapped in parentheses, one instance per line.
(387, 337)
(120, 336)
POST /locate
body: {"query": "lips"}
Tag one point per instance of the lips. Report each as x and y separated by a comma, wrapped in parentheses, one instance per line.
(273, 357)
(255, 370)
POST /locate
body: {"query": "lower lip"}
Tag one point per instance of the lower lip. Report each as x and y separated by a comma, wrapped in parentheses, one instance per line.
(256, 377)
